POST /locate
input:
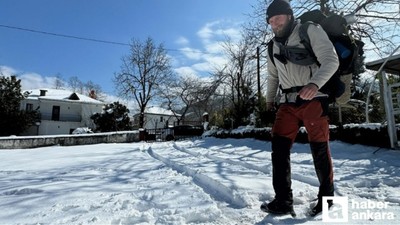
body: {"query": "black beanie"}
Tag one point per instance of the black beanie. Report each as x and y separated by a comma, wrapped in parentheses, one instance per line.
(279, 7)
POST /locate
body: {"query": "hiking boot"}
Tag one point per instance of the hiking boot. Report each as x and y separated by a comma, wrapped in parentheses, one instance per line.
(278, 207)
(318, 207)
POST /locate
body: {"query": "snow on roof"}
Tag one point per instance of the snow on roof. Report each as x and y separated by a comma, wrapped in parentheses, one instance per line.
(60, 95)
(159, 111)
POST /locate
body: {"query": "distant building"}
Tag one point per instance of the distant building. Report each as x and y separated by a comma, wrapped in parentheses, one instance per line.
(61, 111)
(156, 117)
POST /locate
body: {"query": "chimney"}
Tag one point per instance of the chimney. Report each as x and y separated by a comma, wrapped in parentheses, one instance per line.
(43, 92)
(92, 94)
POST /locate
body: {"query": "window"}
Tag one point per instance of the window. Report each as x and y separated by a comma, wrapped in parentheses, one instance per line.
(29, 107)
(161, 119)
(55, 115)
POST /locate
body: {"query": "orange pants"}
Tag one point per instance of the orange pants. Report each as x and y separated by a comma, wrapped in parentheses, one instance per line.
(288, 120)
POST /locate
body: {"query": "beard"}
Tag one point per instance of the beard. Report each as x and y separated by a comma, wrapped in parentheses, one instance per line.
(285, 29)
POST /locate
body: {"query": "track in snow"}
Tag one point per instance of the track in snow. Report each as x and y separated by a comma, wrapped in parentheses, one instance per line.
(211, 186)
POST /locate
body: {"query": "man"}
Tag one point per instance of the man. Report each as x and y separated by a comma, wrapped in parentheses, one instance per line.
(300, 102)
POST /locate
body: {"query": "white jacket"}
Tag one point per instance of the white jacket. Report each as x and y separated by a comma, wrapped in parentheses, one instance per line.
(292, 75)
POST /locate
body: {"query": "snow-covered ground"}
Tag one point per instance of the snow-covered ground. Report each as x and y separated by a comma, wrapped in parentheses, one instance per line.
(203, 181)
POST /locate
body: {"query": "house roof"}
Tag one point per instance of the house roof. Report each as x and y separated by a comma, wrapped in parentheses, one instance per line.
(392, 66)
(60, 95)
(159, 111)
(154, 110)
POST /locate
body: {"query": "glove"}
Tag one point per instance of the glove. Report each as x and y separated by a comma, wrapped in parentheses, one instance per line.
(271, 106)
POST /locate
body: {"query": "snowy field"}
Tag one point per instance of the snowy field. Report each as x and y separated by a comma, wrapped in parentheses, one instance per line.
(203, 181)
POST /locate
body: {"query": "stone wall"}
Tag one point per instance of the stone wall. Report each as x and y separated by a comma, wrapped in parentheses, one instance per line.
(24, 142)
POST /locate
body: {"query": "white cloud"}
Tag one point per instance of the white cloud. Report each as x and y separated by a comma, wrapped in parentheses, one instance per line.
(233, 33)
(185, 71)
(203, 67)
(7, 71)
(182, 41)
(219, 30)
(210, 55)
(206, 32)
(213, 35)
(29, 80)
(214, 47)
(35, 81)
(191, 53)
(217, 60)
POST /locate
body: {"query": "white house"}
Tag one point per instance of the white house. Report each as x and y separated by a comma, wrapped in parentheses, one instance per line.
(61, 111)
(156, 117)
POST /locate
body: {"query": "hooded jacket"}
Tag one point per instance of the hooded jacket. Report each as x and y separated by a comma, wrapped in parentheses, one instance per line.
(291, 75)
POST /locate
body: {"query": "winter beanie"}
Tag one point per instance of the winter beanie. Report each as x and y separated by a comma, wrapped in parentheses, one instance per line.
(279, 7)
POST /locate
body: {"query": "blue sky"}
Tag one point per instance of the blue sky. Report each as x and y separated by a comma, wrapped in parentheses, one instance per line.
(190, 25)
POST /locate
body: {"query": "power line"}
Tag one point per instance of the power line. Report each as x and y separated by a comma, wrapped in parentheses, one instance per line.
(88, 39)
(63, 35)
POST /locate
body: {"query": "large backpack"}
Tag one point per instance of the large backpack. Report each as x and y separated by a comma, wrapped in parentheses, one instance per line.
(347, 48)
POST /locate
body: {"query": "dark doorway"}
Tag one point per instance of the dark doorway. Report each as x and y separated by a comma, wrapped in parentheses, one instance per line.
(55, 115)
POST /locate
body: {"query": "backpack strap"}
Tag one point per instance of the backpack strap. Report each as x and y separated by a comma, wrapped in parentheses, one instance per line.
(270, 51)
(305, 39)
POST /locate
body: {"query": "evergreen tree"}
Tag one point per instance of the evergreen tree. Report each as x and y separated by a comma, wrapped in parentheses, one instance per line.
(13, 121)
(113, 118)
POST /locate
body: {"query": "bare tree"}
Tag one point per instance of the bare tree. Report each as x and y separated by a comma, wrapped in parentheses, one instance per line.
(142, 71)
(89, 88)
(93, 90)
(58, 82)
(186, 94)
(240, 78)
(75, 84)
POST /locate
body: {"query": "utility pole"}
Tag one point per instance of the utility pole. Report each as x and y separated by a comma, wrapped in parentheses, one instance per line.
(258, 74)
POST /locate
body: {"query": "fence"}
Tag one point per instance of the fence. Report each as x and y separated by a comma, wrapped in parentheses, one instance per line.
(67, 140)
(175, 133)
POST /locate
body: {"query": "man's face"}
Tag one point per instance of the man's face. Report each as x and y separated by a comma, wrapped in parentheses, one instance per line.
(279, 24)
